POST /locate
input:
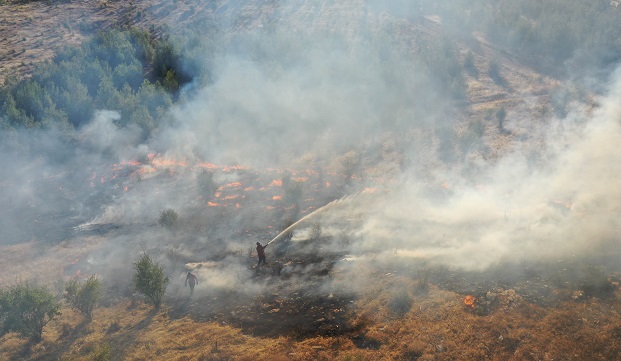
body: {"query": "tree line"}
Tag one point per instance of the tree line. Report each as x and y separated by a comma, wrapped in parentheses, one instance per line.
(127, 70)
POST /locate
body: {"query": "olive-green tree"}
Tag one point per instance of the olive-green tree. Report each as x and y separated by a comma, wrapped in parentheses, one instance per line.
(84, 296)
(149, 279)
(168, 218)
(25, 309)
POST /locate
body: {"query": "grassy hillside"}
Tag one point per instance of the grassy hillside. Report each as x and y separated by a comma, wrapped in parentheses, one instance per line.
(457, 189)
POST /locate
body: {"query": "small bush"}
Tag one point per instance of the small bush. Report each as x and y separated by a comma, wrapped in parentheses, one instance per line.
(400, 303)
(168, 218)
(293, 190)
(423, 283)
(469, 64)
(84, 297)
(501, 115)
(150, 280)
(315, 231)
(494, 73)
(101, 352)
(206, 183)
(595, 283)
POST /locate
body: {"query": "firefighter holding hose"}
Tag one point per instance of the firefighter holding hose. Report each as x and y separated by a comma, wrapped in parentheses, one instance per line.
(261, 253)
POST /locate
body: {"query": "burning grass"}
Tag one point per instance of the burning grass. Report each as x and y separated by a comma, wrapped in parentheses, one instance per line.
(308, 303)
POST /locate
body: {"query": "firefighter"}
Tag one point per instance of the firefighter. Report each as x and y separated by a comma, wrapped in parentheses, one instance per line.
(261, 253)
(192, 280)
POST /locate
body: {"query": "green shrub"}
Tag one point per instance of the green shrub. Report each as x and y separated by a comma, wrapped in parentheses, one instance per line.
(168, 218)
(84, 297)
(26, 309)
(101, 352)
(149, 279)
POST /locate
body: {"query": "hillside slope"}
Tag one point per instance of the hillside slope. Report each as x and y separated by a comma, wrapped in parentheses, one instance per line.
(431, 249)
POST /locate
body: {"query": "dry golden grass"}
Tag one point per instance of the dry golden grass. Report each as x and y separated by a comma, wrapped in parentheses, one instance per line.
(45, 263)
(438, 326)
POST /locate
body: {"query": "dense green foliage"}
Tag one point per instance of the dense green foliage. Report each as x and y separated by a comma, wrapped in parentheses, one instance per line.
(26, 309)
(124, 70)
(85, 296)
(149, 279)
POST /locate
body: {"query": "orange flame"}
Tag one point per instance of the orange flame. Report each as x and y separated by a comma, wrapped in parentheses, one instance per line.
(213, 204)
(207, 165)
(163, 162)
(469, 300)
(276, 183)
(277, 198)
(232, 168)
(251, 188)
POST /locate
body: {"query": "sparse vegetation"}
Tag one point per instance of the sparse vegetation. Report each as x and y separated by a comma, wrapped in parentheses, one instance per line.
(25, 309)
(400, 303)
(150, 279)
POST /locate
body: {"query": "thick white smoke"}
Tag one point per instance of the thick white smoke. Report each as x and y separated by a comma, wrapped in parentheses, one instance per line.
(564, 206)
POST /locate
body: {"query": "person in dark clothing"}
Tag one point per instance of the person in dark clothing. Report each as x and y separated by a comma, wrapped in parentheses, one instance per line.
(261, 253)
(192, 280)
